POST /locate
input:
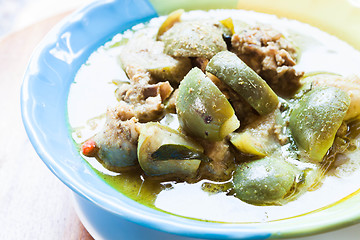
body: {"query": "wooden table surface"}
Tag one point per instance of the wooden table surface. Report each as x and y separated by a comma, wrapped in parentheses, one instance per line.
(34, 204)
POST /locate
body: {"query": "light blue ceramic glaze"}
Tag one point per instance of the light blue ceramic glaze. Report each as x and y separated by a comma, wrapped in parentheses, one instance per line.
(43, 101)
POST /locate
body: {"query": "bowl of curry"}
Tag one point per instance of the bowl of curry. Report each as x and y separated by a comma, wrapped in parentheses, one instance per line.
(191, 120)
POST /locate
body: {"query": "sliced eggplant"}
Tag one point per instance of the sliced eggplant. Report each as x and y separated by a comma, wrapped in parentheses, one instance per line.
(242, 79)
(202, 109)
(316, 118)
(163, 151)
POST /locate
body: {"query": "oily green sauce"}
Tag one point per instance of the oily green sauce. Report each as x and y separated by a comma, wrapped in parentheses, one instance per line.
(135, 186)
(93, 91)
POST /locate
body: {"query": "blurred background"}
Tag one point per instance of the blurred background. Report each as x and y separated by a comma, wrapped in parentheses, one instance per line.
(17, 14)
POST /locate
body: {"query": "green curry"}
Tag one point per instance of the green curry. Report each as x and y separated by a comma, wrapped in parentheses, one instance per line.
(222, 107)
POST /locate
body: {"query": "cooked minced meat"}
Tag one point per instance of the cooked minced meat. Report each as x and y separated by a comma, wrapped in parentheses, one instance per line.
(271, 55)
(140, 99)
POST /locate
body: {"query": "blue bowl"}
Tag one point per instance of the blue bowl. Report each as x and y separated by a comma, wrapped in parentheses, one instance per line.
(104, 211)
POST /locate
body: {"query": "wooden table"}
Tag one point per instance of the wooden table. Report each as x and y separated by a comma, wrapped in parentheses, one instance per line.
(34, 204)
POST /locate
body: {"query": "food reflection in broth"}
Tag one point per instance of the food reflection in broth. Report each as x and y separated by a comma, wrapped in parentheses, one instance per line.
(226, 108)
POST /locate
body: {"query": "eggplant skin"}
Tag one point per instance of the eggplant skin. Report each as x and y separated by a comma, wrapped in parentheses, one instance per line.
(266, 181)
(117, 143)
(230, 69)
(152, 137)
(316, 118)
(193, 39)
(203, 110)
(146, 53)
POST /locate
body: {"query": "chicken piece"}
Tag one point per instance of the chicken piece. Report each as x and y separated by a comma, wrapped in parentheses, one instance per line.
(140, 99)
(222, 160)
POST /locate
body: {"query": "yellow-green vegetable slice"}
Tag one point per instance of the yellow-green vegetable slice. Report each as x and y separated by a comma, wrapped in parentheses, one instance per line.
(259, 138)
(242, 79)
(173, 18)
(229, 25)
(349, 84)
(193, 39)
(203, 109)
(154, 136)
(266, 181)
(316, 118)
(146, 53)
(247, 143)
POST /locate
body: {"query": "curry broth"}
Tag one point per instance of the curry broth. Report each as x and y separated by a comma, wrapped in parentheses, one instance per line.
(101, 74)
